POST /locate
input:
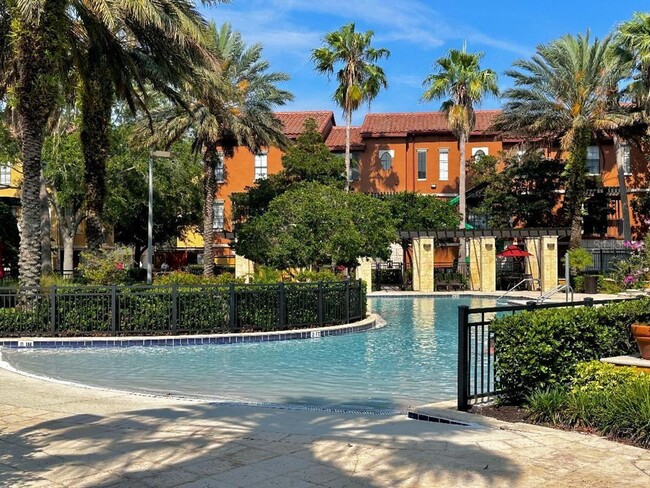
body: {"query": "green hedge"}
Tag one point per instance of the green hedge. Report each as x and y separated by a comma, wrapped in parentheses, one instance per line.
(85, 310)
(541, 349)
(612, 400)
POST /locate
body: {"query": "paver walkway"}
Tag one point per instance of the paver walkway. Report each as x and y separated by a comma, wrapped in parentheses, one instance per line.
(58, 435)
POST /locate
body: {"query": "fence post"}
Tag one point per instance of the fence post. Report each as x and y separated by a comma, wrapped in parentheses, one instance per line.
(589, 302)
(347, 301)
(53, 310)
(233, 308)
(113, 310)
(463, 358)
(320, 303)
(174, 308)
(282, 319)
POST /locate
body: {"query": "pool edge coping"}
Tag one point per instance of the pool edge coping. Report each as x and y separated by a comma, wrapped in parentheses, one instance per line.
(371, 322)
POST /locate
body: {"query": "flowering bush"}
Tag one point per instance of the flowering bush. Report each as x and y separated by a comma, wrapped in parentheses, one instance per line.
(634, 272)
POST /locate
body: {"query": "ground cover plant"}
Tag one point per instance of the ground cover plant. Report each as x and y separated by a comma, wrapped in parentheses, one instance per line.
(600, 397)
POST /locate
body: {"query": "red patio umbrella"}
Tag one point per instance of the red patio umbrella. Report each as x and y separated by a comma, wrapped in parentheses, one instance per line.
(513, 252)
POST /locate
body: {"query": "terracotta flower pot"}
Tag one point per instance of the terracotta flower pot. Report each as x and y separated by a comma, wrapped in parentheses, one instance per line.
(641, 333)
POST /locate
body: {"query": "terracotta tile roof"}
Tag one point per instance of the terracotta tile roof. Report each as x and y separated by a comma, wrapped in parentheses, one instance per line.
(399, 124)
(336, 140)
(294, 121)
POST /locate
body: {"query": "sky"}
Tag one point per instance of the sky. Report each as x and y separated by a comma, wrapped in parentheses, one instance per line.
(417, 32)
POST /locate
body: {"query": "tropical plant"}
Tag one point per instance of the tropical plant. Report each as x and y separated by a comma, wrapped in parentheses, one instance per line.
(222, 111)
(359, 77)
(567, 90)
(459, 79)
(112, 46)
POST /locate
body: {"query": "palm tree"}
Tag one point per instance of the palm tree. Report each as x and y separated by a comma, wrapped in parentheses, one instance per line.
(36, 38)
(359, 78)
(566, 91)
(224, 110)
(459, 79)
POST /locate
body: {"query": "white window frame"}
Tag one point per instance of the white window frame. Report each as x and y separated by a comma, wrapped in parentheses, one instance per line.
(486, 151)
(219, 169)
(626, 156)
(355, 175)
(391, 154)
(443, 175)
(218, 214)
(5, 175)
(590, 152)
(426, 163)
(261, 166)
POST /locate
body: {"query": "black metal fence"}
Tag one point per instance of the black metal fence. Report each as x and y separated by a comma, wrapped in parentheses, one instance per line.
(178, 309)
(604, 260)
(476, 348)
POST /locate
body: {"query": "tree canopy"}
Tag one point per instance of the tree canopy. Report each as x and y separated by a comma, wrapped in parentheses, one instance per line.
(314, 226)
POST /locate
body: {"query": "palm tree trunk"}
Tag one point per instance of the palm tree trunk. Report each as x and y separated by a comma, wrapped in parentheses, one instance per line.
(348, 123)
(209, 189)
(96, 106)
(576, 191)
(46, 229)
(37, 41)
(462, 141)
(622, 185)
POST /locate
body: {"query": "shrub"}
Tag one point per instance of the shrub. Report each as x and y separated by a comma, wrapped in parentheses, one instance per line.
(613, 400)
(106, 267)
(540, 349)
(325, 275)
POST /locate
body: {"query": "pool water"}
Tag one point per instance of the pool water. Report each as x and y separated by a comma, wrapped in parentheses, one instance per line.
(411, 361)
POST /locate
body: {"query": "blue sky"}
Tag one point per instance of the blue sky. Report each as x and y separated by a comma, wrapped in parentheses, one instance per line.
(416, 32)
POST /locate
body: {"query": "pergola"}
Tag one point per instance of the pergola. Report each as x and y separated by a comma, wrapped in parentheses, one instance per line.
(496, 233)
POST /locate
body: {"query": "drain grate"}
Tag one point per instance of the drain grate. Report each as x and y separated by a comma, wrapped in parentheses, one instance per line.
(439, 420)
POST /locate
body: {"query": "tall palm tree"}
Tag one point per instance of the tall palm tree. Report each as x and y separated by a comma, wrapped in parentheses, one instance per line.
(459, 79)
(37, 35)
(224, 110)
(359, 78)
(566, 91)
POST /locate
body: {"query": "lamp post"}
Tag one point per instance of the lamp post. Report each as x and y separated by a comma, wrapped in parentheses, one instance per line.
(152, 155)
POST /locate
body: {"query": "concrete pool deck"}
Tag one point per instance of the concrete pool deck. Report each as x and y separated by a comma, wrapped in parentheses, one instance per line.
(62, 435)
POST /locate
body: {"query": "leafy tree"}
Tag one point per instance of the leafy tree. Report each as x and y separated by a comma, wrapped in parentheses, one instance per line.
(359, 77)
(229, 109)
(568, 90)
(523, 193)
(309, 159)
(63, 171)
(176, 199)
(314, 226)
(459, 79)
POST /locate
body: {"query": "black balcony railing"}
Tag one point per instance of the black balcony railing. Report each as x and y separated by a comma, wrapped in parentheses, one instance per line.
(178, 309)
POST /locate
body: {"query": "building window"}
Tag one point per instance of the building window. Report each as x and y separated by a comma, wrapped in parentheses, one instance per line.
(480, 152)
(218, 214)
(627, 159)
(593, 160)
(354, 166)
(218, 170)
(5, 175)
(422, 164)
(443, 156)
(386, 158)
(261, 166)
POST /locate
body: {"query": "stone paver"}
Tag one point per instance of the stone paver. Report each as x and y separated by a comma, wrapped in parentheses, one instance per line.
(58, 435)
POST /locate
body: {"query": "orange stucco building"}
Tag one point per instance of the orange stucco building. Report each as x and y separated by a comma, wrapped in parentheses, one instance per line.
(396, 152)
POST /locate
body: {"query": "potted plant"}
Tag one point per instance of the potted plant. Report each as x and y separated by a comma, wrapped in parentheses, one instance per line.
(641, 333)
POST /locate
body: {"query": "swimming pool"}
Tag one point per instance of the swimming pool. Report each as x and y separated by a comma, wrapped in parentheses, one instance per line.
(411, 361)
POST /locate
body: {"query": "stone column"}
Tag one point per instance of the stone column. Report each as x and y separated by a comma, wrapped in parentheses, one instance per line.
(533, 262)
(483, 266)
(423, 261)
(548, 263)
(244, 268)
(364, 272)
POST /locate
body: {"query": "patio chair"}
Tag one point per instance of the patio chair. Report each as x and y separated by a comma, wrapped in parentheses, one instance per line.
(456, 285)
(442, 285)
